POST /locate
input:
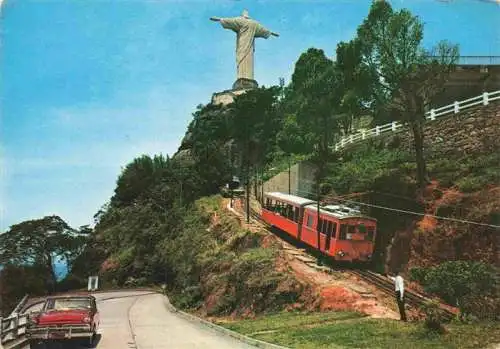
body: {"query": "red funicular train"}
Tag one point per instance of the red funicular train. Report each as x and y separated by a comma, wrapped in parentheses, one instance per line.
(345, 233)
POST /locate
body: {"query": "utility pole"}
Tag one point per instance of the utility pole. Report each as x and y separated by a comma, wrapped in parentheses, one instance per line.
(318, 196)
(262, 189)
(247, 149)
(289, 173)
(248, 192)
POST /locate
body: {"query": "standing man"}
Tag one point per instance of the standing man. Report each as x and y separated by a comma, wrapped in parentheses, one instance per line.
(399, 288)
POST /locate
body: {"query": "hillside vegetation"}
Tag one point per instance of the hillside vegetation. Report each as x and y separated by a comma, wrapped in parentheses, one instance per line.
(153, 230)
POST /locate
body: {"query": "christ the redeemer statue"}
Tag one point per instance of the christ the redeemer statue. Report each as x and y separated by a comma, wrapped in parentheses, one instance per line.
(246, 30)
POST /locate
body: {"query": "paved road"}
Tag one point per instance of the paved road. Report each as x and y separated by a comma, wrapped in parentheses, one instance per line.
(140, 320)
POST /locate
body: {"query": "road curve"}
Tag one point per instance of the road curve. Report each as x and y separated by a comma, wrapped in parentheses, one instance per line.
(140, 320)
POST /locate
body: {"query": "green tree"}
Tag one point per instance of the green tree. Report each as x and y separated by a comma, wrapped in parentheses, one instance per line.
(315, 95)
(209, 137)
(136, 178)
(355, 83)
(38, 242)
(407, 76)
(19, 280)
(255, 123)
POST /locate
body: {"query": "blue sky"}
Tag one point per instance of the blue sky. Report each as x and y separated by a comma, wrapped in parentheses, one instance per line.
(88, 85)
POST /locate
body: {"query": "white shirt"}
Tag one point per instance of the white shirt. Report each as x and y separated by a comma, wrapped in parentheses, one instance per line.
(398, 284)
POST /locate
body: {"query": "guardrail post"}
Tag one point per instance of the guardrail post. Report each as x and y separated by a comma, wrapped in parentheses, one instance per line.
(457, 107)
(394, 125)
(342, 142)
(15, 326)
(363, 134)
(485, 98)
(433, 115)
(351, 138)
(377, 130)
(336, 147)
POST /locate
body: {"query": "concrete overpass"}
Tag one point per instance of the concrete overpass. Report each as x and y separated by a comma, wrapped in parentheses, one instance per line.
(473, 75)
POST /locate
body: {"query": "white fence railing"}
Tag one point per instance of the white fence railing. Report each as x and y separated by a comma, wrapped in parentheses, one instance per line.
(13, 327)
(433, 114)
(12, 331)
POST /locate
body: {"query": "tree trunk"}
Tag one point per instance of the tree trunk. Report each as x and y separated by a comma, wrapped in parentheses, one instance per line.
(256, 184)
(248, 192)
(418, 143)
(289, 173)
(50, 267)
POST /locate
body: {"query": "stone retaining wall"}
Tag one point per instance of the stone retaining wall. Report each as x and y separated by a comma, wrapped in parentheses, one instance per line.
(473, 131)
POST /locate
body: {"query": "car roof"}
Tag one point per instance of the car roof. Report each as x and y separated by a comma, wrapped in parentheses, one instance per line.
(291, 199)
(71, 297)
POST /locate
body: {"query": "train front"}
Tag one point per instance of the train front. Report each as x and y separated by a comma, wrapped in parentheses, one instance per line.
(356, 240)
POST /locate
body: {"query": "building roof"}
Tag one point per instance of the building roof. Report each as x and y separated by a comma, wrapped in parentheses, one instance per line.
(291, 199)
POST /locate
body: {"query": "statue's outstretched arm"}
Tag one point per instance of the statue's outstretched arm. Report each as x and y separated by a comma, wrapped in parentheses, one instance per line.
(215, 19)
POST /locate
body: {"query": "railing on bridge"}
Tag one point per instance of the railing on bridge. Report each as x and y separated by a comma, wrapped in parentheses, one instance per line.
(12, 331)
(13, 327)
(478, 60)
(433, 114)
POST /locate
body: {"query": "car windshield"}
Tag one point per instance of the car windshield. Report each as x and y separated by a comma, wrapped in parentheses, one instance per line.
(68, 303)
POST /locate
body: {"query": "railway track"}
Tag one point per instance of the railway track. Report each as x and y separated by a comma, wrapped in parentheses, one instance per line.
(381, 282)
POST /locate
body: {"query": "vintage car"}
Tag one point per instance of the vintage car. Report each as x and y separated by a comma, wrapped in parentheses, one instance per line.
(64, 318)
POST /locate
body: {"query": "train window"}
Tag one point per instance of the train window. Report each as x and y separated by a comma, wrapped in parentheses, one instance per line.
(329, 228)
(334, 230)
(361, 228)
(324, 226)
(371, 232)
(309, 221)
(351, 229)
(296, 215)
(289, 212)
(279, 208)
(343, 232)
(320, 223)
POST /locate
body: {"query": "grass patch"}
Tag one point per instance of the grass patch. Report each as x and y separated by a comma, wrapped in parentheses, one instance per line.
(353, 330)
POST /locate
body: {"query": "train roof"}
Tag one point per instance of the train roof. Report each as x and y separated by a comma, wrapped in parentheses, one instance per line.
(341, 211)
(292, 199)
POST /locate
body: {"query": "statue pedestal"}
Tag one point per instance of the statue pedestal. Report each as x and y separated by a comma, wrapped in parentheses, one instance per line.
(239, 87)
(245, 84)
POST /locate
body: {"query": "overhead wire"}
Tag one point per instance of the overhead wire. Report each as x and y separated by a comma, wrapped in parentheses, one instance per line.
(407, 211)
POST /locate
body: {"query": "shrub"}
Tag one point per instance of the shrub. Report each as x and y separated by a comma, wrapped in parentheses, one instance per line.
(433, 317)
(471, 184)
(188, 298)
(363, 169)
(469, 285)
(71, 282)
(418, 274)
(481, 307)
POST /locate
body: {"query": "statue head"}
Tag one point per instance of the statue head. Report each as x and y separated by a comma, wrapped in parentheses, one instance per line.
(245, 14)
